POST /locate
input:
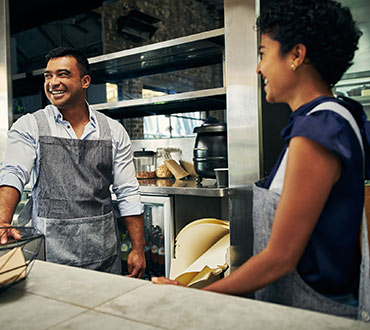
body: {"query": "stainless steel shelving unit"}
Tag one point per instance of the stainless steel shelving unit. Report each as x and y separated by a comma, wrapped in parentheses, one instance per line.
(351, 85)
(208, 99)
(191, 51)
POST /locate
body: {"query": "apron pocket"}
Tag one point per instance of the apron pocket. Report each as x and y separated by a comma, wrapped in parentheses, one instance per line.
(79, 241)
(319, 302)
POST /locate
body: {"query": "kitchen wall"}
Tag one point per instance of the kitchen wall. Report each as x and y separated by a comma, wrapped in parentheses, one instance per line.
(176, 19)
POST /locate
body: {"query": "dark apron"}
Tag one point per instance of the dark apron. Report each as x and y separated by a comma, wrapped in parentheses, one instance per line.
(72, 203)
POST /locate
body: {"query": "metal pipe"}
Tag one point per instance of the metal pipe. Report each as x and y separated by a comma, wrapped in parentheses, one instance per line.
(242, 122)
(6, 109)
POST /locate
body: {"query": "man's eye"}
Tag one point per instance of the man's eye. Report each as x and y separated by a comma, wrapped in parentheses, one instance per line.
(63, 74)
(47, 76)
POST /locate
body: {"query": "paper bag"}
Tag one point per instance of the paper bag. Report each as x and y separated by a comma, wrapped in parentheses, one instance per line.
(177, 171)
(201, 249)
(12, 266)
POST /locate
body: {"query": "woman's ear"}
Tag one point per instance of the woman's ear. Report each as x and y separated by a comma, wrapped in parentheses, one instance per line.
(86, 80)
(298, 55)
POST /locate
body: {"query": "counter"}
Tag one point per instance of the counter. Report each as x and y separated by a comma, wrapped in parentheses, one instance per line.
(181, 187)
(61, 297)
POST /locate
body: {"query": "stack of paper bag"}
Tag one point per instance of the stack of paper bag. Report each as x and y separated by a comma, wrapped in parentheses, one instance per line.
(12, 266)
(201, 248)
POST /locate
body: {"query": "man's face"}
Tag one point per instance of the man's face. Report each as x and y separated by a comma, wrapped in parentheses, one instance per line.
(64, 86)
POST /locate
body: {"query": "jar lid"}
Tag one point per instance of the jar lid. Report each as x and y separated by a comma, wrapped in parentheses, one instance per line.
(144, 153)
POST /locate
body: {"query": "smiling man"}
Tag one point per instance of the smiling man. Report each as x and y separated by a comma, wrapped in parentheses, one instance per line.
(72, 155)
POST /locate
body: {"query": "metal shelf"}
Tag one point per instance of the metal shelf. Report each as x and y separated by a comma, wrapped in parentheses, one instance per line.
(202, 100)
(196, 50)
(192, 51)
(364, 100)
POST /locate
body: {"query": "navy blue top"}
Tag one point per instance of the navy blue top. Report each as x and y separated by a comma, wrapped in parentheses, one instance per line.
(331, 261)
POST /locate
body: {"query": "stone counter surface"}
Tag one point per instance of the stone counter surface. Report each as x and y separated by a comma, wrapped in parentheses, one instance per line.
(61, 297)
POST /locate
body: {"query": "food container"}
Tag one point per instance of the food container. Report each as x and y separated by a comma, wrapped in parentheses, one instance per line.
(210, 150)
(145, 164)
(162, 170)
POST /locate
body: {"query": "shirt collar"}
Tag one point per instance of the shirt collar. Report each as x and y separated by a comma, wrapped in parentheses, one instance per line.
(58, 116)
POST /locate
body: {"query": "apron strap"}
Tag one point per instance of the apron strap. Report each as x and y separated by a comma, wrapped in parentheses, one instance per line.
(104, 128)
(42, 123)
(364, 287)
(343, 112)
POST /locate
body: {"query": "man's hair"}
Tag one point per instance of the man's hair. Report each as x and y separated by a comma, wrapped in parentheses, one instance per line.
(82, 62)
(325, 27)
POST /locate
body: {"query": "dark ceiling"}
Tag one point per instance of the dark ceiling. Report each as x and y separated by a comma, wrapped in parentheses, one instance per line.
(28, 14)
(40, 25)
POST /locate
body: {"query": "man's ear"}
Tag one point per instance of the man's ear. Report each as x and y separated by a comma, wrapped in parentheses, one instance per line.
(86, 80)
(298, 54)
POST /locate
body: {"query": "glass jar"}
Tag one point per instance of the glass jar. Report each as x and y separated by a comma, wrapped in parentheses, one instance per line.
(145, 164)
(161, 170)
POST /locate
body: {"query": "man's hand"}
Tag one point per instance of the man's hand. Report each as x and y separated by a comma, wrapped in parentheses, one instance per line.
(165, 280)
(7, 231)
(136, 259)
(136, 264)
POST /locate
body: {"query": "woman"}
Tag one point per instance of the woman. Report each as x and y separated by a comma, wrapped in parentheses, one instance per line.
(307, 214)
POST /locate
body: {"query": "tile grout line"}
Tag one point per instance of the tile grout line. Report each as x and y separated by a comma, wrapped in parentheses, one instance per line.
(75, 304)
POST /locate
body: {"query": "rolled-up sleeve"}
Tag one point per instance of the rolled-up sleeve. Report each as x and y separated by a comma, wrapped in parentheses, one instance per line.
(125, 184)
(20, 153)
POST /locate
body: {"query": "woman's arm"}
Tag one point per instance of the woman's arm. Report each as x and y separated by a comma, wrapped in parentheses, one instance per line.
(310, 174)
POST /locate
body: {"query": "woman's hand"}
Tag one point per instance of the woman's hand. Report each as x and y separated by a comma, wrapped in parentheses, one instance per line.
(165, 280)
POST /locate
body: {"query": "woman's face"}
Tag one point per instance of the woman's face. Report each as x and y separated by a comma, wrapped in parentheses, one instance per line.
(275, 70)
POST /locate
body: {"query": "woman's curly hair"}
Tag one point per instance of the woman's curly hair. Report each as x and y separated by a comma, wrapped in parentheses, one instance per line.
(325, 27)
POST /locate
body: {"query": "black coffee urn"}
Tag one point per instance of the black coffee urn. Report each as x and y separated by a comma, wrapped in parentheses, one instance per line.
(210, 149)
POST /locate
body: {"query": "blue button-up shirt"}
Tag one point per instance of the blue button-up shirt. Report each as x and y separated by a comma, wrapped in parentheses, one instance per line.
(21, 161)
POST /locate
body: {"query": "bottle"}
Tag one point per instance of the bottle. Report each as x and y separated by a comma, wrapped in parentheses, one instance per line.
(154, 251)
(126, 248)
(161, 256)
(148, 255)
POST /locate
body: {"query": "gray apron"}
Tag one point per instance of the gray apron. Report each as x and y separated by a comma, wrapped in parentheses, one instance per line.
(71, 199)
(291, 290)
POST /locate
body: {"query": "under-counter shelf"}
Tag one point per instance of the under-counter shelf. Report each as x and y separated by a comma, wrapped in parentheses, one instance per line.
(189, 187)
(203, 100)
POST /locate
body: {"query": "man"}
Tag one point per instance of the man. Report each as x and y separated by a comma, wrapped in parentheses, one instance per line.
(71, 154)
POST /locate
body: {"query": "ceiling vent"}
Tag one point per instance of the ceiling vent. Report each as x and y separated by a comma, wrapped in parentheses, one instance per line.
(137, 26)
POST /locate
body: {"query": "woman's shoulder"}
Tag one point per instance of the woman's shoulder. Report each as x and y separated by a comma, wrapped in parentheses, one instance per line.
(331, 125)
